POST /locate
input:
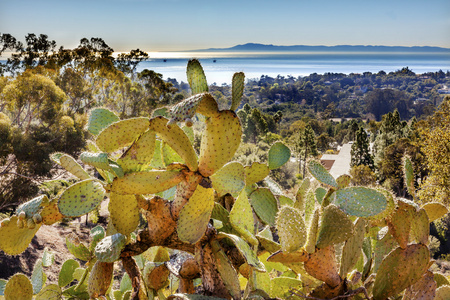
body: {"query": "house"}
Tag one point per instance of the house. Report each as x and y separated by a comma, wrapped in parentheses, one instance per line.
(338, 164)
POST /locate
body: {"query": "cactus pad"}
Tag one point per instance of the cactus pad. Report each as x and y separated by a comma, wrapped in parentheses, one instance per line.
(121, 134)
(146, 182)
(360, 201)
(442, 293)
(177, 139)
(321, 174)
(241, 218)
(281, 287)
(279, 154)
(255, 173)
(38, 276)
(343, 181)
(202, 103)
(219, 142)
(229, 179)
(71, 165)
(420, 227)
(66, 274)
(435, 210)
(81, 198)
(440, 279)
(313, 230)
(100, 278)
(140, 154)
(291, 229)
(77, 248)
(156, 275)
(18, 287)
(265, 238)
(196, 77)
(265, 205)
(424, 289)
(99, 119)
(195, 215)
(124, 212)
(400, 269)
(14, 240)
(322, 265)
(110, 247)
(400, 223)
(32, 207)
(335, 227)
(237, 89)
(300, 196)
(320, 193)
(409, 175)
(352, 248)
(226, 270)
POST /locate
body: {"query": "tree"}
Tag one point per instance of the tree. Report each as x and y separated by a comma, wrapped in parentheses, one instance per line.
(305, 147)
(360, 152)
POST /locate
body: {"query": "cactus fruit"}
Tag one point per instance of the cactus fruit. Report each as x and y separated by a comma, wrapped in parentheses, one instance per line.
(400, 223)
(195, 215)
(156, 275)
(322, 265)
(14, 239)
(291, 229)
(18, 287)
(360, 201)
(140, 154)
(146, 182)
(124, 212)
(335, 227)
(219, 143)
(196, 77)
(121, 134)
(279, 154)
(5, 222)
(435, 210)
(265, 205)
(256, 172)
(81, 198)
(230, 179)
(100, 279)
(31, 224)
(71, 165)
(237, 89)
(352, 248)
(399, 269)
(241, 218)
(424, 289)
(110, 247)
(99, 119)
(321, 174)
(37, 218)
(226, 270)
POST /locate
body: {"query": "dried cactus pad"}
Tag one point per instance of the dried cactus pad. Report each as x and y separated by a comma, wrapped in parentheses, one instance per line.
(322, 265)
(435, 210)
(196, 77)
(110, 247)
(360, 201)
(229, 179)
(14, 240)
(18, 287)
(124, 212)
(146, 182)
(335, 227)
(99, 119)
(279, 154)
(237, 89)
(121, 134)
(81, 198)
(291, 229)
(220, 141)
(195, 215)
(399, 269)
(140, 154)
(265, 205)
(425, 288)
(321, 174)
(100, 279)
(71, 165)
(256, 172)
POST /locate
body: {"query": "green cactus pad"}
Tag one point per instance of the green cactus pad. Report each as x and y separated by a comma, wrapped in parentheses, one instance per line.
(440, 279)
(121, 134)
(273, 186)
(313, 230)
(279, 154)
(343, 181)
(360, 201)
(98, 160)
(33, 206)
(320, 193)
(352, 248)
(38, 277)
(400, 221)
(51, 291)
(442, 293)
(14, 240)
(245, 250)
(169, 155)
(226, 270)
(99, 119)
(265, 238)
(221, 214)
(382, 248)
(435, 210)
(140, 154)
(425, 288)
(281, 287)
(18, 287)
(322, 265)
(300, 196)
(110, 247)
(335, 227)
(66, 273)
(195, 215)
(219, 142)
(237, 89)
(55, 156)
(202, 103)
(255, 173)
(283, 200)
(265, 205)
(146, 182)
(157, 160)
(70, 164)
(291, 229)
(420, 227)
(157, 254)
(409, 176)
(177, 139)
(241, 218)
(196, 77)
(399, 269)
(81, 198)
(97, 234)
(124, 212)
(229, 179)
(321, 174)
(100, 278)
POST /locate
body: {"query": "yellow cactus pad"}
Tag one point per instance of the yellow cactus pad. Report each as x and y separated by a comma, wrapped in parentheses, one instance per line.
(18, 287)
(352, 248)
(400, 223)
(140, 154)
(229, 179)
(219, 143)
(335, 227)
(195, 215)
(71, 165)
(124, 212)
(256, 172)
(146, 182)
(241, 218)
(121, 134)
(435, 210)
(177, 139)
(420, 227)
(81, 198)
(442, 293)
(14, 240)
(425, 288)
(291, 229)
(100, 279)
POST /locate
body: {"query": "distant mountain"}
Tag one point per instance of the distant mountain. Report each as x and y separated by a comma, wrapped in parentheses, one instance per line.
(340, 48)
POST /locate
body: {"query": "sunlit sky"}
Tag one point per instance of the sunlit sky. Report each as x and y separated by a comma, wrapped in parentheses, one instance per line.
(175, 25)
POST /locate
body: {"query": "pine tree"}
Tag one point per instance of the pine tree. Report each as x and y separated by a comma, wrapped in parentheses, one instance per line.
(360, 150)
(306, 147)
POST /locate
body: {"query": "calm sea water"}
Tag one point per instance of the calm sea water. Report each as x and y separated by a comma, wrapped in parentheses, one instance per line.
(220, 67)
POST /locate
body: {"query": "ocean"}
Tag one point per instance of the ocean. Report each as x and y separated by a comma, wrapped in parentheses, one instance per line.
(220, 66)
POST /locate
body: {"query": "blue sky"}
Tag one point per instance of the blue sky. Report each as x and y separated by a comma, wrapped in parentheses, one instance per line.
(159, 25)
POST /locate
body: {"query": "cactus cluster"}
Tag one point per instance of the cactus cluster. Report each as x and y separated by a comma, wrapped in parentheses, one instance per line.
(228, 226)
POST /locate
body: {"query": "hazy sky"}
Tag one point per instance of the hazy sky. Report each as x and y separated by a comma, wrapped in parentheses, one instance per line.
(158, 25)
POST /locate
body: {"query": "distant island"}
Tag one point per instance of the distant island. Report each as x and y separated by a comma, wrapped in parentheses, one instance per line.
(255, 47)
